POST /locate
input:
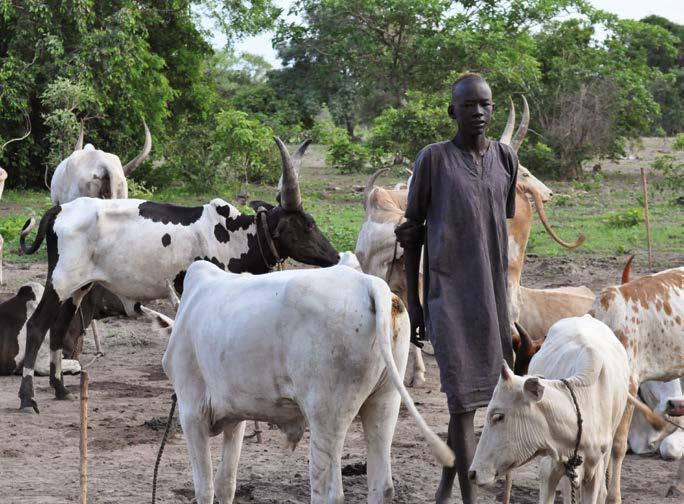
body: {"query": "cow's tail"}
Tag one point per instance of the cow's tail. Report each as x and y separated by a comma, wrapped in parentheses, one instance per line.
(160, 322)
(627, 270)
(46, 222)
(654, 420)
(387, 306)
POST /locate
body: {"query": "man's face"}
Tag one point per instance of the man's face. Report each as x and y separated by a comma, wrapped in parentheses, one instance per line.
(471, 106)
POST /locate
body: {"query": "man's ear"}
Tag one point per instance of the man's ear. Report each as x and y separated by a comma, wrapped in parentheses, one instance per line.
(451, 111)
(255, 204)
(533, 389)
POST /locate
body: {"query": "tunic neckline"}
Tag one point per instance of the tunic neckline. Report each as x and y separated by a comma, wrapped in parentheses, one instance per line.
(471, 165)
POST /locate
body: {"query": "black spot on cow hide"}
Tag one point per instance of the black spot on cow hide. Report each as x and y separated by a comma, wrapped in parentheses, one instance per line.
(221, 233)
(12, 319)
(234, 223)
(212, 260)
(251, 262)
(178, 282)
(166, 239)
(167, 213)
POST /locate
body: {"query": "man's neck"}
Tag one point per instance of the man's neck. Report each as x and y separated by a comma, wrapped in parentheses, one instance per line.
(473, 143)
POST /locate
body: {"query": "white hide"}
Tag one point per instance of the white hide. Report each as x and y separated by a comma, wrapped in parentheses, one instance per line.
(3, 177)
(643, 438)
(350, 260)
(531, 416)
(109, 242)
(86, 172)
(525, 177)
(320, 349)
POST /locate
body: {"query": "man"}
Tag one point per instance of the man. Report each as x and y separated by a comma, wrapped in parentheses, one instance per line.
(460, 195)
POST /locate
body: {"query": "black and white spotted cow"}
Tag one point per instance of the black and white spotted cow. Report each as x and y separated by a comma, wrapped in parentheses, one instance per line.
(14, 313)
(136, 249)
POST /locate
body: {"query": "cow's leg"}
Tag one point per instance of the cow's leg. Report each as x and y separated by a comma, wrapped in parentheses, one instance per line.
(196, 430)
(418, 370)
(57, 331)
(619, 448)
(591, 488)
(96, 337)
(325, 455)
(677, 487)
(226, 474)
(379, 416)
(36, 327)
(550, 473)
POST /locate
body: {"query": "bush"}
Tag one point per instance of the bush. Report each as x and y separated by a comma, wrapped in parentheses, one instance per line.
(348, 157)
(540, 158)
(325, 132)
(626, 219)
(589, 185)
(671, 171)
(678, 142)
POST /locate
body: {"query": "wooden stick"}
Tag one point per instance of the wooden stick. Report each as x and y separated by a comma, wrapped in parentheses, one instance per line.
(84, 438)
(647, 220)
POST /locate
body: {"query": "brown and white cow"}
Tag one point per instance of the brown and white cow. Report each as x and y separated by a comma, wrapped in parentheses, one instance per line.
(380, 255)
(647, 316)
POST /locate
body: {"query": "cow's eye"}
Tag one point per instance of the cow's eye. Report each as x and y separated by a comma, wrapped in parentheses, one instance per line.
(526, 175)
(497, 417)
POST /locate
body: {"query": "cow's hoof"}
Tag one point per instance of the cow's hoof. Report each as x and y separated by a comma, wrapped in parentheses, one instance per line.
(673, 491)
(63, 394)
(29, 406)
(29, 410)
(417, 381)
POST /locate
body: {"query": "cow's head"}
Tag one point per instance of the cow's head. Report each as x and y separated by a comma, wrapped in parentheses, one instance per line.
(3, 177)
(515, 427)
(294, 231)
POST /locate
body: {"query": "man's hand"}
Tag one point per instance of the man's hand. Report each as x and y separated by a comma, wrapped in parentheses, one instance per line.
(417, 324)
(410, 234)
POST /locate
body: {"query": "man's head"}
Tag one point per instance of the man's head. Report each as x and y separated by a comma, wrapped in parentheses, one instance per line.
(471, 104)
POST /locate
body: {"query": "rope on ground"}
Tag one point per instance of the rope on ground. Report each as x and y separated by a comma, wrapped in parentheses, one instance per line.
(161, 447)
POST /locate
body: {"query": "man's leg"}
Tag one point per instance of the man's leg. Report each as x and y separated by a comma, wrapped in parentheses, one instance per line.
(462, 441)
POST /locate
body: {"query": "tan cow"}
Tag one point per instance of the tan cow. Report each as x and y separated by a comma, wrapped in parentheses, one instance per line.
(380, 255)
(647, 316)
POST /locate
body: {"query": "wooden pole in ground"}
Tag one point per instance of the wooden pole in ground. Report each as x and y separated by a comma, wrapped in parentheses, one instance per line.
(84, 437)
(647, 220)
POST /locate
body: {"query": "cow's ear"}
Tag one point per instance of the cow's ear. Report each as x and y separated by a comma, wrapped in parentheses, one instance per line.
(533, 389)
(255, 204)
(506, 373)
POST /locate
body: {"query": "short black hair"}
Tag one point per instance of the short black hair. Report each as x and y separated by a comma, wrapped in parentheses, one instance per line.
(464, 77)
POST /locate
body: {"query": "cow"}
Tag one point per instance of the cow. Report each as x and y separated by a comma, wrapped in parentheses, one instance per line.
(140, 249)
(536, 415)
(327, 344)
(647, 317)
(91, 172)
(14, 313)
(381, 255)
(643, 438)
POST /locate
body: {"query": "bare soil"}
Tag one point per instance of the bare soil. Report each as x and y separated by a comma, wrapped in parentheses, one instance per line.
(130, 399)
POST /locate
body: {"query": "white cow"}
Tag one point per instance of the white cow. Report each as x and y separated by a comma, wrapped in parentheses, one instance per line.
(323, 346)
(643, 438)
(3, 177)
(94, 173)
(533, 416)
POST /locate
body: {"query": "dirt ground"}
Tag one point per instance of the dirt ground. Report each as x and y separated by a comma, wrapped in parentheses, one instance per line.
(130, 398)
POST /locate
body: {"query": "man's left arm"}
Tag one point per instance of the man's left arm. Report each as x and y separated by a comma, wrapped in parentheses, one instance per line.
(513, 170)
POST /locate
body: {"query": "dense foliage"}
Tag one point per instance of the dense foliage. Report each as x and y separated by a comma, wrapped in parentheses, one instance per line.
(368, 78)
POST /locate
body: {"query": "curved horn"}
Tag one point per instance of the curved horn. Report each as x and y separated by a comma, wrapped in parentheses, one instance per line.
(299, 153)
(542, 216)
(526, 350)
(627, 270)
(144, 153)
(507, 134)
(79, 142)
(28, 132)
(290, 197)
(522, 128)
(370, 184)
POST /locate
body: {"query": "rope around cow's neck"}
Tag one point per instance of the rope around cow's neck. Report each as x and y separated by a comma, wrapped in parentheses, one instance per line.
(576, 460)
(261, 218)
(161, 447)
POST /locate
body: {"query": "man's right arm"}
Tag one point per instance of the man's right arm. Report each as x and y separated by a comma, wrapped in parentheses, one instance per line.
(410, 235)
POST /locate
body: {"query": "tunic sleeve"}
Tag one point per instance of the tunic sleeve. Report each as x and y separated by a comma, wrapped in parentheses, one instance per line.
(513, 170)
(419, 188)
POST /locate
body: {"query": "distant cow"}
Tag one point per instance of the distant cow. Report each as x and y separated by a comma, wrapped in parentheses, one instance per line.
(94, 173)
(533, 416)
(647, 316)
(14, 313)
(324, 346)
(137, 249)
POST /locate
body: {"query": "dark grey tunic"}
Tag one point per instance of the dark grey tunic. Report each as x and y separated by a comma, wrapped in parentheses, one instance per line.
(465, 264)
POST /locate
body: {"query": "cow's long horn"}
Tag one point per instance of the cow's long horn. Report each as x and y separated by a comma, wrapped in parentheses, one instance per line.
(507, 134)
(299, 153)
(290, 197)
(79, 142)
(522, 128)
(370, 184)
(539, 204)
(144, 153)
(18, 139)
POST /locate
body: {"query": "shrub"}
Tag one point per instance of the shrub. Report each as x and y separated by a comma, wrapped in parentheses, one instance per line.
(678, 142)
(589, 185)
(540, 158)
(325, 132)
(348, 157)
(626, 219)
(672, 172)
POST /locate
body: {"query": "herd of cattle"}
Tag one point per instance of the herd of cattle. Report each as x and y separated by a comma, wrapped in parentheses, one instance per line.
(331, 342)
